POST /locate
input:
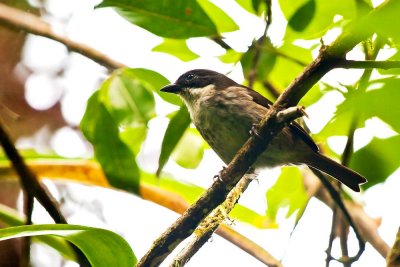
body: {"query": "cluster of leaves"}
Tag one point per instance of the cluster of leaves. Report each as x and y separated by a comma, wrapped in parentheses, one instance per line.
(117, 114)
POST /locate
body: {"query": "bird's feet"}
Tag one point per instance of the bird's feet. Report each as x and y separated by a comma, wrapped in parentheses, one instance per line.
(254, 131)
(217, 177)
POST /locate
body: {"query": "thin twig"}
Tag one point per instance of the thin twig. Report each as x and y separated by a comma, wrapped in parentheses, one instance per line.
(332, 236)
(369, 64)
(335, 195)
(219, 40)
(21, 20)
(367, 225)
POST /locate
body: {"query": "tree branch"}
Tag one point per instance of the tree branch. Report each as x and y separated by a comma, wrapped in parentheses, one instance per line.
(367, 225)
(368, 64)
(207, 227)
(30, 23)
(91, 173)
(28, 179)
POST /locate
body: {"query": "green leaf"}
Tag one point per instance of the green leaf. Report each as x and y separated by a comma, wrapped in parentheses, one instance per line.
(134, 137)
(310, 19)
(376, 161)
(222, 21)
(256, 7)
(100, 246)
(177, 48)
(11, 217)
(385, 20)
(247, 5)
(102, 130)
(168, 18)
(303, 16)
(127, 99)
(230, 56)
(176, 127)
(381, 101)
(190, 149)
(288, 191)
(265, 64)
(154, 81)
(287, 67)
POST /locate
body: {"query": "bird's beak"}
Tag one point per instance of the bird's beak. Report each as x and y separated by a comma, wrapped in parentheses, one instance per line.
(171, 88)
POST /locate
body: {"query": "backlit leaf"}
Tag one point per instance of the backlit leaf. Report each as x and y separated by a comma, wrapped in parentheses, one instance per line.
(288, 192)
(101, 247)
(168, 18)
(176, 127)
(177, 48)
(190, 149)
(222, 21)
(376, 161)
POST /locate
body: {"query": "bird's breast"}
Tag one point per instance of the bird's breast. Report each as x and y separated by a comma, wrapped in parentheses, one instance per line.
(225, 127)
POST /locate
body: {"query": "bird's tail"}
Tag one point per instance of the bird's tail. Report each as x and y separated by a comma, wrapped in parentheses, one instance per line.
(343, 174)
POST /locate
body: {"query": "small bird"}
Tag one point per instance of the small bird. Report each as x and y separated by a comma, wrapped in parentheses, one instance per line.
(224, 113)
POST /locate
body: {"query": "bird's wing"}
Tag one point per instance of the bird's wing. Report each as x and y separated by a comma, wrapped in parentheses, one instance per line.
(295, 127)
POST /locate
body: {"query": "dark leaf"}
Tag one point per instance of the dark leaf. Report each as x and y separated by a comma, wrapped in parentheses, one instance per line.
(169, 19)
(303, 16)
(176, 127)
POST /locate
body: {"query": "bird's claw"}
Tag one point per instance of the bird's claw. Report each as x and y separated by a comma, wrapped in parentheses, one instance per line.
(254, 131)
(218, 177)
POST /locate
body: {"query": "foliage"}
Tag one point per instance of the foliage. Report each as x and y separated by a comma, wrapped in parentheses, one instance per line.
(118, 113)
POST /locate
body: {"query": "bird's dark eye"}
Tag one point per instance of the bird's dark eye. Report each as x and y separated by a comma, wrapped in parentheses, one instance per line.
(189, 77)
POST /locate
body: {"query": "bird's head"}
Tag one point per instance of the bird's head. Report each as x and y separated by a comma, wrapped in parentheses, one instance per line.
(197, 83)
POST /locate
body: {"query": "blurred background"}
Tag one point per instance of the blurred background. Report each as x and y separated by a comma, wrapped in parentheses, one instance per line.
(44, 91)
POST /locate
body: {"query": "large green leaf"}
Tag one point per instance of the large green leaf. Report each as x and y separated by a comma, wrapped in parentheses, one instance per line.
(177, 48)
(384, 21)
(289, 192)
(127, 98)
(11, 217)
(381, 101)
(266, 61)
(376, 161)
(115, 157)
(168, 18)
(101, 247)
(176, 127)
(310, 19)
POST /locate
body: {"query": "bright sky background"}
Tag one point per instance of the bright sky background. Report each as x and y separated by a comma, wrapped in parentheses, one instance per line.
(141, 222)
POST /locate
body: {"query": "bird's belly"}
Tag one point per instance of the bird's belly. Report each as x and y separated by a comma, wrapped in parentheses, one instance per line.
(226, 133)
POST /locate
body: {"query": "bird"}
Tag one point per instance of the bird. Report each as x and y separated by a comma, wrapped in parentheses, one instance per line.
(225, 112)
